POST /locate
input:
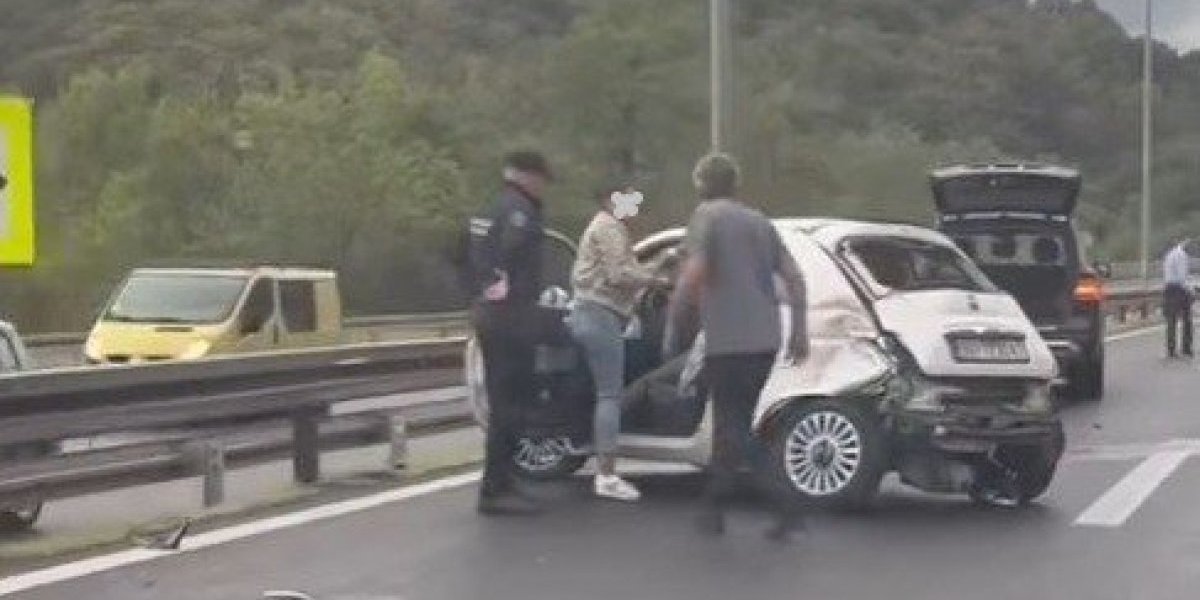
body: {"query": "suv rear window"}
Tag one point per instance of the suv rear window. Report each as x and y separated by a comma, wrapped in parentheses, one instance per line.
(1014, 249)
(909, 265)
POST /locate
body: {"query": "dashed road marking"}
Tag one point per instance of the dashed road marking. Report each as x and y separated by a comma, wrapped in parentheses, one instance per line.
(1123, 499)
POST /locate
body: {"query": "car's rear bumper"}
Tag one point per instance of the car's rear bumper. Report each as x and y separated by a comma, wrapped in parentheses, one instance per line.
(978, 433)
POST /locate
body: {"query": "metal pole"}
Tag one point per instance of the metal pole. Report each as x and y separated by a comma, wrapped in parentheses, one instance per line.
(715, 106)
(719, 67)
(1147, 122)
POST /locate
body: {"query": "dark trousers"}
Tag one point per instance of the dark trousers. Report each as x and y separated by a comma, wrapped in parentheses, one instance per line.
(736, 380)
(507, 344)
(1177, 308)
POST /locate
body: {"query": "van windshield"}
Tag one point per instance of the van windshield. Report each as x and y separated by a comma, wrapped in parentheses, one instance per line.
(159, 298)
(909, 265)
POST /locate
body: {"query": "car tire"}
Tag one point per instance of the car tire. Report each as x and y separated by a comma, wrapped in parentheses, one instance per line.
(20, 519)
(827, 454)
(543, 458)
(1031, 468)
(1087, 381)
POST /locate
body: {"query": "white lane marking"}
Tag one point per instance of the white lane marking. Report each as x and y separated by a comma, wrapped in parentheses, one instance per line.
(1128, 452)
(1123, 499)
(90, 566)
(1135, 333)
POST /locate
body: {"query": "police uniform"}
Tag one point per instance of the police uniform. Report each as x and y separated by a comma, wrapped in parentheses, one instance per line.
(506, 329)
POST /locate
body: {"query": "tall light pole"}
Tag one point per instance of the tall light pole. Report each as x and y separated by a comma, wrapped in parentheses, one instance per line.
(718, 17)
(1147, 133)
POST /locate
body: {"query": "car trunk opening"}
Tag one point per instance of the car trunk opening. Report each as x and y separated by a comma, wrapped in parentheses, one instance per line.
(1033, 265)
(1049, 191)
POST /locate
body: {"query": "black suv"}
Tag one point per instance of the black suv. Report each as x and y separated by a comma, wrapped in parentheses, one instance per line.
(1014, 220)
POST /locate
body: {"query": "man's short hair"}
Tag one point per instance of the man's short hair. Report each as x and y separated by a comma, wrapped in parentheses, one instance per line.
(716, 176)
(528, 161)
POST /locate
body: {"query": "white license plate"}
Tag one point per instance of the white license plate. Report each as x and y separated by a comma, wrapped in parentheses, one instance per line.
(991, 350)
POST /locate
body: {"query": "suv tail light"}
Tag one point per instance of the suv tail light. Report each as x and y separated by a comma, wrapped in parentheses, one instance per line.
(1089, 289)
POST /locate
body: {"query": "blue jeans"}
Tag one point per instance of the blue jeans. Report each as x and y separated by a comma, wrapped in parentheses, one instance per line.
(599, 329)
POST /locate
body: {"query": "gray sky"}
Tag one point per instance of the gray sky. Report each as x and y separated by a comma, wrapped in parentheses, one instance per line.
(1176, 22)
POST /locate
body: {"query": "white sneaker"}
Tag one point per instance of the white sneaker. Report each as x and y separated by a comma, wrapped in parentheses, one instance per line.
(611, 486)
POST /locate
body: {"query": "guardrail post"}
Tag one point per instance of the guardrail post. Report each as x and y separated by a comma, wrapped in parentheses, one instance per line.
(306, 447)
(207, 458)
(397, 441)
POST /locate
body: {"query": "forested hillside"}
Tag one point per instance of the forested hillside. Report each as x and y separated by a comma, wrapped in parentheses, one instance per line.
(357, 133)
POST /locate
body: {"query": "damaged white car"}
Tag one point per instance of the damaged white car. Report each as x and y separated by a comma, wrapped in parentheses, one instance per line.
(919, 365)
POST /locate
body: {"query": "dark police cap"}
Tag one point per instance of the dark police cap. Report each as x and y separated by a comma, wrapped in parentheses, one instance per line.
(528, 161)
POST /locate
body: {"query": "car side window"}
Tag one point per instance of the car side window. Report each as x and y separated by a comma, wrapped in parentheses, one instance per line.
(298, 303)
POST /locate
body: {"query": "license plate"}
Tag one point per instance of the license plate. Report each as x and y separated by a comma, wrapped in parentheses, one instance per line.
(989, 350)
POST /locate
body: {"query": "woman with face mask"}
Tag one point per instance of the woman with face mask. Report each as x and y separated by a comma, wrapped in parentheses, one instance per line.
(608, 281)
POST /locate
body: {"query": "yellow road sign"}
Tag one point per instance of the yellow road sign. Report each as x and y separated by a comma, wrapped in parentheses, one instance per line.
(16, 181)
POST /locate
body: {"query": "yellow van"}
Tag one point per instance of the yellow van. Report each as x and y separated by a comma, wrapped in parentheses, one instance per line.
(167, 314)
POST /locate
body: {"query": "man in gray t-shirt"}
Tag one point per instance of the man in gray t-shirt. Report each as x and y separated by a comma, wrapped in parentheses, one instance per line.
(735, 257)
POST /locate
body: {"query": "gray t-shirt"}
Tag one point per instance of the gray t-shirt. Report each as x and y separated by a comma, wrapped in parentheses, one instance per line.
(741, 252)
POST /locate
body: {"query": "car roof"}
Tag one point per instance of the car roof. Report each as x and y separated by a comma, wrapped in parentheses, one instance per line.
(827, 231)
(832, 230)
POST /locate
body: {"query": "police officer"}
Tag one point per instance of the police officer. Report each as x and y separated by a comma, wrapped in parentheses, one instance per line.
(507, 265)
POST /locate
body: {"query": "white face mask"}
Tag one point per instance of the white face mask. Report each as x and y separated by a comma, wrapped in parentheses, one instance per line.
(625, 204)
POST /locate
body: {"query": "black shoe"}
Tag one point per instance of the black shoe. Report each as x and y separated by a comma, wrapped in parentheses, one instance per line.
(711, 522)
(508, 503)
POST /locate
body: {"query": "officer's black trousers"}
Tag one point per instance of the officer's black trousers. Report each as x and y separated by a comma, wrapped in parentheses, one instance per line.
(507, 343)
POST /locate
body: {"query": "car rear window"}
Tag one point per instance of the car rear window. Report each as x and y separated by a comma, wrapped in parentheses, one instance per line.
(900, 264)
(1014, 249)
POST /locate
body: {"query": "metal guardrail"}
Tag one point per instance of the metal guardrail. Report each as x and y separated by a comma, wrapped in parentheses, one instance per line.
(453, 320)
(1132, 270)
(243, 408)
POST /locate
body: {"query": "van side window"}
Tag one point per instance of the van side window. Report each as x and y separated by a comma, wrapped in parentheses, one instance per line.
(298, 300)
(8, 356)
(259, 306)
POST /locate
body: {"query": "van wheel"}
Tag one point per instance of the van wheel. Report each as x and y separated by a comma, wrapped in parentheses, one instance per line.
(546, 458)
(20, 519)
(828, 454)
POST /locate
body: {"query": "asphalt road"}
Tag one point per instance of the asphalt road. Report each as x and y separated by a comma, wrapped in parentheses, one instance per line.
(1120, 522)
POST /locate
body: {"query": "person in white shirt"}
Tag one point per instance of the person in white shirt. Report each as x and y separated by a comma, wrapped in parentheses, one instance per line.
(1178, 297)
